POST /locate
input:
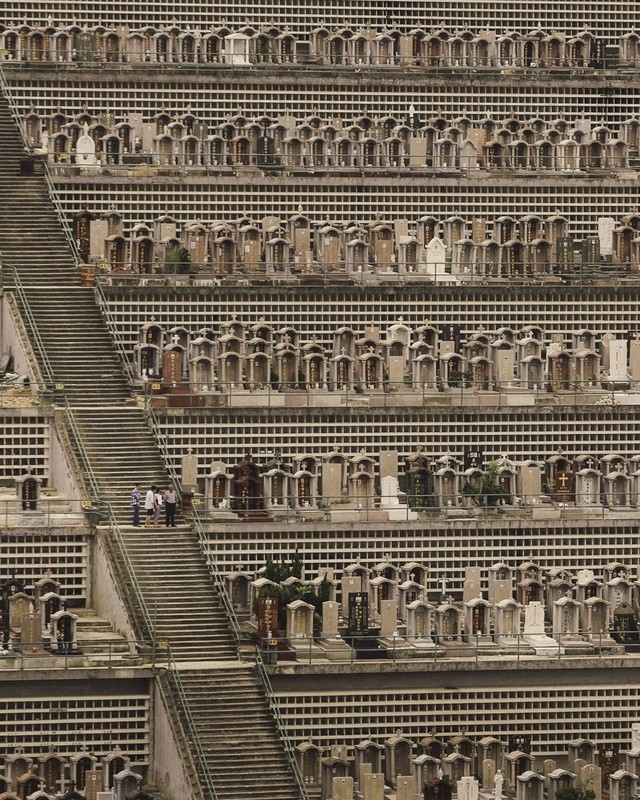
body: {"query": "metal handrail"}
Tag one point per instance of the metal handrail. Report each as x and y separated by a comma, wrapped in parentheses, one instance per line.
(133, 588)
(282, 731)
(221, 589)
(192, 732)
(219, 584)
(131, 581)
(113, 329)
(205, 546)
(13, 108)
(319, 58)
(164, 448)
(64, 224)
(214, 572)
(35, 333)
(81, 453)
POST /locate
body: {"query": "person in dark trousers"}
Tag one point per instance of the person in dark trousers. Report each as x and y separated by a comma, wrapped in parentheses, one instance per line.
(170, 500)
(149, 504)
(135, 504)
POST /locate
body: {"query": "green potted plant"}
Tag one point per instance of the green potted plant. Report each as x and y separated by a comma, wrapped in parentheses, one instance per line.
(177, 263)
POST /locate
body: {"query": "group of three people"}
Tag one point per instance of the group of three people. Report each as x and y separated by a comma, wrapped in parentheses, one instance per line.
(153, 502)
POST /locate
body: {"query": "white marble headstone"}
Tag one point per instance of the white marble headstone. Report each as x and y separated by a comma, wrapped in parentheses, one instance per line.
(85, 150)
(468, 788)
(389, 488)
(605, 234)
(618, 360)
(534, 618)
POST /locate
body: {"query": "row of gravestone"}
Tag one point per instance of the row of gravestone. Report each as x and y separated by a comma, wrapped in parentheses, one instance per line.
(438, 777)
(81, 775)
(398, 615)
(33, 623)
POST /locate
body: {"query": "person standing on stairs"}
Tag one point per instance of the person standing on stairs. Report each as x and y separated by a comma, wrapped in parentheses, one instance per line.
(157, 506)
(135, 504)
(170, 500)
(149, 505)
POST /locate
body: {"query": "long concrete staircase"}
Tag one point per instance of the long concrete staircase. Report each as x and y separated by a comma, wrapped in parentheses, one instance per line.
(221, 698)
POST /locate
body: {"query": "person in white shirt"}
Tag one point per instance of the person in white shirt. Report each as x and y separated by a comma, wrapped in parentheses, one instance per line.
(149, 505)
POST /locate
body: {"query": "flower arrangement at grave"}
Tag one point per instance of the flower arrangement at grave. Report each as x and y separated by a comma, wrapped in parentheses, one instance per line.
(278, 572)
(488, 491)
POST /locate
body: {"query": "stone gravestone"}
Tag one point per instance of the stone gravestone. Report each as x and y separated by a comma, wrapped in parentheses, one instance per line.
(388, 617)
(576, 767)
(373, 786)
(267, 616)
(478, 229)
(86, 149)
(607, 338)
(332, 483)
(548, 766)
(390, 502)
(606, 226)
(93, 783)
(488, 774)
(342, 788)
(473, 574)
(468, 788)
(501, 590)
(470, 591)
(358, 612)
(534, 618)
(609, 762)
(436, 256)
(189, 471)
(530, 484)
(635, 735)
(404, 787)
(618, 361)
(329, 619)
(351, 584)
(591, 778)
(365, 769)
(634, 359)
(389, 488)
(388, 460)
(172, 368)
(417, 151)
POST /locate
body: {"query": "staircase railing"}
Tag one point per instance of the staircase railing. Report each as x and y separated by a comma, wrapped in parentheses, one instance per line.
(113, 329)
(64, 223)
(37, 380)
(214, 572)
(203, 541)
(81, 453)
(189, 724)
(280, 726)
(136, 600)
(219, 584)
(35, 333)
(13, 108)
(164, 449)
(131, 585)
(17, 118)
